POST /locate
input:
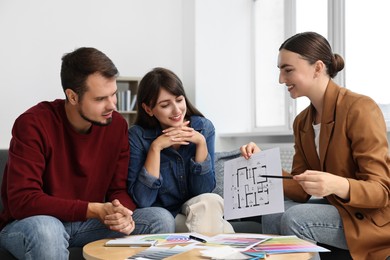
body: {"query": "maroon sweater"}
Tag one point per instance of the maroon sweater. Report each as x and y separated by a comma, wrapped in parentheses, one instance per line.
(53, 170)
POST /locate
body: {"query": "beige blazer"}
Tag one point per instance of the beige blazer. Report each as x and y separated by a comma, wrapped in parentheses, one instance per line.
(353, 144)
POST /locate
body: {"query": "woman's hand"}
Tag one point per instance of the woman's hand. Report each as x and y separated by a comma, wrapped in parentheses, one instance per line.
(248, 149)
(184, 135)
(321, 184)
(175, 136)
(178, 135)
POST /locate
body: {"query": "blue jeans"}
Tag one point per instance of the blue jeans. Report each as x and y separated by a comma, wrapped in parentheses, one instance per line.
(316, 221)
(45, 237)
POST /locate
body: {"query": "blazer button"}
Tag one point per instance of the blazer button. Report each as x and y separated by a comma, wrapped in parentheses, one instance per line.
(359, 215)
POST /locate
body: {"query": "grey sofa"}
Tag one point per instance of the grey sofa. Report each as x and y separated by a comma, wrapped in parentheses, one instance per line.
(245, 225)
(248, 225)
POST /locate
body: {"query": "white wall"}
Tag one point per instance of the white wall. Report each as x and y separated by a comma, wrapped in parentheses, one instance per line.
(207, 43)
(136, 34)
(223, 65)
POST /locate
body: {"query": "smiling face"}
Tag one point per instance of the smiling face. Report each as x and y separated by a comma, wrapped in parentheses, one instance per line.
(170, 110)
(296, 73)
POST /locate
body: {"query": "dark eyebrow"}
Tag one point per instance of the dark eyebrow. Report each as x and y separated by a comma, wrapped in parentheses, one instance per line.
(100, 97)
(284, 65)
(166, 100)
(103, 97)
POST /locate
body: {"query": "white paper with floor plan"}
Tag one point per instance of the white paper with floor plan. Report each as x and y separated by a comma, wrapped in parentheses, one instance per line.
(248, 194)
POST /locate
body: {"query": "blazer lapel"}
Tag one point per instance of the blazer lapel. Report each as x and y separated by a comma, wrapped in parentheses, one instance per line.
(307, 139)
(328, 118)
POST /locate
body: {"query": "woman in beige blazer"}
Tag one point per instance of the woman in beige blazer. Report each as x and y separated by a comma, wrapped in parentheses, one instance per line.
(341, 155)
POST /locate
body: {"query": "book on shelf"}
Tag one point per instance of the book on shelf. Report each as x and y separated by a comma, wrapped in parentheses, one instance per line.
(133, 102)
(126, 101)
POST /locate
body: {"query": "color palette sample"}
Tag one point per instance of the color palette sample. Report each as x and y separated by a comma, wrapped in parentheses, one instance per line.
(169, 239)
(286, 244)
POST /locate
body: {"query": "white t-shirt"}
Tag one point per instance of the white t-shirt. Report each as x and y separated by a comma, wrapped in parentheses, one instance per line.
(317, 128)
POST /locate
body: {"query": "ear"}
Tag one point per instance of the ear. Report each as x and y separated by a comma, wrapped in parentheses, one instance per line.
(147, 109)
(72, 96)
(319, 68)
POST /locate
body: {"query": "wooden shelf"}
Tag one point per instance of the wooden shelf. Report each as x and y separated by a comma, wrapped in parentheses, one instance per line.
(129, 85)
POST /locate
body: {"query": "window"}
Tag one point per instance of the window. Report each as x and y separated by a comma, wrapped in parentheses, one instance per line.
(366, 51)
(341, 23)
(271, 106)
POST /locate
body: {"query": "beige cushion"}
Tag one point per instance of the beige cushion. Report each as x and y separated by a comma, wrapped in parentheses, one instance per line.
(203, 214)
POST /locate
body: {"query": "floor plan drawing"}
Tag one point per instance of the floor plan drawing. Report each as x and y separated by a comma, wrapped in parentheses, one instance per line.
(249, 188)
(246, 192)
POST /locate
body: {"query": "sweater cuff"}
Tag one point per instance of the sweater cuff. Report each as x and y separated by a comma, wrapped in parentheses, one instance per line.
(80, 212)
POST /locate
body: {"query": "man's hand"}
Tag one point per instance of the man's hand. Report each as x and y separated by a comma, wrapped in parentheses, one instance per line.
(121, 220)
(114, 215)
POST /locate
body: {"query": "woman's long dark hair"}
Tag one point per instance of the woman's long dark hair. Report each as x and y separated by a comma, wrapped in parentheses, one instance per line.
(149, 89)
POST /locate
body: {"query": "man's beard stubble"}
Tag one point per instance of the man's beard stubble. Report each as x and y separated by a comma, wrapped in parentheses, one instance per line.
(93, 122)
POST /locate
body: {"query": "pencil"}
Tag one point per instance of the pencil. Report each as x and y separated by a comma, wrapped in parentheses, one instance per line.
(197, 239)
(277, 176)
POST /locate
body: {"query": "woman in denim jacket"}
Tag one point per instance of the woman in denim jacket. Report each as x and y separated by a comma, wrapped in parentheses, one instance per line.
(172, 156)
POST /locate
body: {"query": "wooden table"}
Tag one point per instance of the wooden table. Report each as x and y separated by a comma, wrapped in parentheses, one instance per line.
(97, 251)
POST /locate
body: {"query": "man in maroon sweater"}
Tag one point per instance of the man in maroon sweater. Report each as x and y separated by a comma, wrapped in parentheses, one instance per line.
(64, 183)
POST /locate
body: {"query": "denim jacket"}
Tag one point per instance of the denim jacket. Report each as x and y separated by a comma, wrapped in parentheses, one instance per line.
(181, 178)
